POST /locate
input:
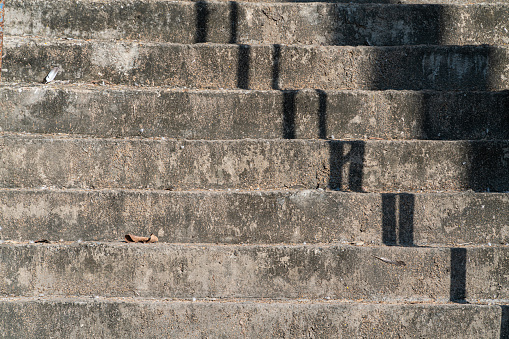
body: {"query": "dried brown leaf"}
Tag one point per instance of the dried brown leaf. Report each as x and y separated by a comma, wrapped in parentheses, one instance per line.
(135, 238)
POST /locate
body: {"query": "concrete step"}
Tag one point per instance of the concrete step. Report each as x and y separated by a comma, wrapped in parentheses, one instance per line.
(119, 111)
(372, 165)
(291, 216)
(253, 23)
(373, 273)
(259, 66)
(149, 318)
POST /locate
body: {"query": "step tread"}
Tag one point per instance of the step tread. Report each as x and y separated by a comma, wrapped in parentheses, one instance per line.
(247, 22)
(358, 165)
(118, 111)
(259, 66)
(260, 271)
(268, 216)
(31, 317)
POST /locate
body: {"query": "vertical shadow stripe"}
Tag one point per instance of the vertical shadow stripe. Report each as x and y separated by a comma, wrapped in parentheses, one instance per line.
(458, 274)
(322, 114)
(234, 19)
(243, 66)
(202, 14)
(389, 219)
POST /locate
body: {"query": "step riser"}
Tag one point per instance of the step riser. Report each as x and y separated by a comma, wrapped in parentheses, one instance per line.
(266, 217)
(110, 112)
(253, 320)
(311, 23)
(185, 271)
(265, 164)
(260, 67)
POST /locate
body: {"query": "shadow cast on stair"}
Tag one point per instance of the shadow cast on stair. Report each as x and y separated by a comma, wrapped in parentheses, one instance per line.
(346, 163)
(202, 16)
(504, 322)
(398, 219)
(442, 74)
(458, 275)
(437, 79)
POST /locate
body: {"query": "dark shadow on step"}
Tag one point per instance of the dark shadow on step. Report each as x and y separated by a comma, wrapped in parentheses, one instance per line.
(288, 96)
(464, 116)
(234, 19)
(202, 15)
(289, 102)
(373, 25)
(244, 51)
(504, 322)
(244, 55)
(398, 219)
(480, 110)
(346, 165)
(458, 275)
(289, 114)
(322, 114)
(436, 68)
(276, 60)
(350, 1)
(488, 166)
(458, 96)
(475, 106)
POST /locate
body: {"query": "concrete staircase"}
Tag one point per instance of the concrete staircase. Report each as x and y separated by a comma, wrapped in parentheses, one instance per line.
(314, 170)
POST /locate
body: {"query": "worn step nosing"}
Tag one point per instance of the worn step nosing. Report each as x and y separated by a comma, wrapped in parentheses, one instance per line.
(277, 302)
(109, 111)
(260, 66)
(294, 216)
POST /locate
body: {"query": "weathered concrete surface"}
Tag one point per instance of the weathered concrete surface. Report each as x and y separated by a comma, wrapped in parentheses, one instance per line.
(311, 216)
(373, 165)
(117, 111)
(225, 271)
(134, 318)
(260, 66)
(248, 23)
(259, 270)
(282, 271)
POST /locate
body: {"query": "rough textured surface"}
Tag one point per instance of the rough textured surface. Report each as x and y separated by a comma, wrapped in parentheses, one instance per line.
(117, 111)
(283, 271)
(294, 216)
(171, 80)
(35, 161)
(259, 66)
(181, 271)
(240, 22)
(156, 319)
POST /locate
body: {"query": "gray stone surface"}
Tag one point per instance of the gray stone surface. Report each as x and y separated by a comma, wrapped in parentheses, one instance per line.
(226, 66)
(255, 271)
(269, 217)
(251, 23)
(117, 111)
(159, 131)
(373, 165)
(111, 318)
